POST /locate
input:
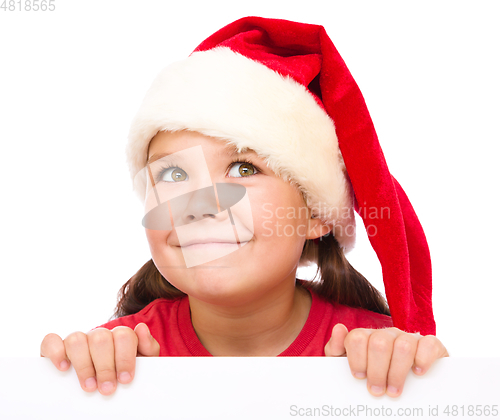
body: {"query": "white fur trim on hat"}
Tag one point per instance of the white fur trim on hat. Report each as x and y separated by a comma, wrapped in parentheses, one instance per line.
(225, 95)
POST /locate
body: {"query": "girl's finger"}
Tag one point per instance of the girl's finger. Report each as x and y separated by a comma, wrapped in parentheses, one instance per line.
(380, 346)
(356, 344)
(102, 352)
(335, 346)
(147, 346)
(125, 343)
(429, 348)
(77, 349)
(403, 354)
(53, 347)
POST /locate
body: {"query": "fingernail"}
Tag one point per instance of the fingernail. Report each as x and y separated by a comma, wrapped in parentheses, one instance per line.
(124, 377)
(392, 390)
(64, 365)
(107, 387)
(377, 390)
(360, 375)
(418, 369)
(90, 383)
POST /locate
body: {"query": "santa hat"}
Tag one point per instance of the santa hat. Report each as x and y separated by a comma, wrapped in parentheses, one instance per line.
(281, 88)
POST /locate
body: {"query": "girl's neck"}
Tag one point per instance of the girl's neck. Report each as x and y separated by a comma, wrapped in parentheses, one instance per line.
(265, 327)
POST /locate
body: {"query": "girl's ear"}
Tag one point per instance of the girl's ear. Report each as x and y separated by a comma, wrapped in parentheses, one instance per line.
(317, 228)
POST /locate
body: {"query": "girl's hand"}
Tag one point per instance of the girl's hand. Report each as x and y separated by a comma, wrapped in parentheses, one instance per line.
(384, 356)
(101, 357)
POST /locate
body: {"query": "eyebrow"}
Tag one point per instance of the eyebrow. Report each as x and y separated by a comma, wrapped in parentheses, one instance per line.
(228, 151)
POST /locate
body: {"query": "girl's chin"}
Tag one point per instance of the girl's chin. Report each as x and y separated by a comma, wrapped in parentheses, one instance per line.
(223, 287)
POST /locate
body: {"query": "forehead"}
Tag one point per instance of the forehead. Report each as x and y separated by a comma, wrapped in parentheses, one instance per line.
(165, 143)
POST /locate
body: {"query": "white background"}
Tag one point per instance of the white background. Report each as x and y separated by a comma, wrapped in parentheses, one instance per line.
(71, 81)
(250, 393)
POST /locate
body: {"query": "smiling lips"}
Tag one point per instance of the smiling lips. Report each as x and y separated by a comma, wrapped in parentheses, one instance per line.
(211, 241)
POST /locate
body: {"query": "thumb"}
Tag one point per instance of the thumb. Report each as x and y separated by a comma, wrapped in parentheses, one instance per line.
(335, 347)
(147, 345)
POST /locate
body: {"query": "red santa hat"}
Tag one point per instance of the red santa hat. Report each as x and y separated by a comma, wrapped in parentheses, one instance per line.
(281, 88)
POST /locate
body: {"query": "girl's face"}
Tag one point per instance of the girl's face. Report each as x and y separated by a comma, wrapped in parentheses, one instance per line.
(230, 245)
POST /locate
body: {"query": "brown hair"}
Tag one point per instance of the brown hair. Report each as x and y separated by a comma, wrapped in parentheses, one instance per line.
(339, 282)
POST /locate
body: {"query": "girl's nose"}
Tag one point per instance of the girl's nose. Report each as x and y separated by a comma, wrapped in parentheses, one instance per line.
(194, 206)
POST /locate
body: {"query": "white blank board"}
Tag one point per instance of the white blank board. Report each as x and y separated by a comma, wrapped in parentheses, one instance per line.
(248, 388)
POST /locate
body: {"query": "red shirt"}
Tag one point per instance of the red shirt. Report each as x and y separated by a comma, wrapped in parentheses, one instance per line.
(169, 321)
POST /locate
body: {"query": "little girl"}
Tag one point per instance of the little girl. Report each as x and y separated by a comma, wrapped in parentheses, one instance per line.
(251, 157)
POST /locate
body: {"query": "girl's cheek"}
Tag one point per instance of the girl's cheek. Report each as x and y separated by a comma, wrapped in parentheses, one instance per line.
(157, 238)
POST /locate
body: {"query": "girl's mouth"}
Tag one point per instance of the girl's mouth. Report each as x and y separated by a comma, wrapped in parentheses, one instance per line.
(206, 245)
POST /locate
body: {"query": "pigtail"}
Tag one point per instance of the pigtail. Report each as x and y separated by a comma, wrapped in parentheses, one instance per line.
(340, 282)
(142, 288)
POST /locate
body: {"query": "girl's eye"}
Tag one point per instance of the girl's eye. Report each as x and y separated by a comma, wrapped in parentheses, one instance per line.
(242, 169)
(173, 174)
